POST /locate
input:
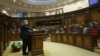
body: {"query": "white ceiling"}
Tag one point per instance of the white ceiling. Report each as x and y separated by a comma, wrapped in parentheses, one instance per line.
(41, 2)
(34, 5)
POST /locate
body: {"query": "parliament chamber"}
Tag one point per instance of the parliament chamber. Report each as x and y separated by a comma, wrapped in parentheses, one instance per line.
(80, 28)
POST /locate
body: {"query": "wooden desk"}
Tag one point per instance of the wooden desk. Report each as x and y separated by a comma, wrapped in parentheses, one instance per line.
(81, 40)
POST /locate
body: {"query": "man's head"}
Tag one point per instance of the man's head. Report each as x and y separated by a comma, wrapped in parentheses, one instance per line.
(25, 21)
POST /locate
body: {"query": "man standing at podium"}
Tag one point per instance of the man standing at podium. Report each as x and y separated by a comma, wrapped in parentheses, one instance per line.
(26, 39)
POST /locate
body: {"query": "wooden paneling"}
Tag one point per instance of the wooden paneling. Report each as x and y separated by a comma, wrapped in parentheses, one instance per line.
(15, 37)
(31, 23)
(0, 42)
(64, 38)
(53, 37)
(71, 39)
(66, 22)
(1, 38)
(95, 16)
(70, 21)
(79, 40)
(4, 40)
(59, 38)
(4, 28)
(1, 51)
(88, 44)
(37, 43)
(80, 19)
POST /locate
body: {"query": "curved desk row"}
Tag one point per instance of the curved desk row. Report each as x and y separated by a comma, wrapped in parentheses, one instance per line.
(80, 40)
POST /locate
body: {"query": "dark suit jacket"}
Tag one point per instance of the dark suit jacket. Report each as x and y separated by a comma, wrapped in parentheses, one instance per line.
(24, 34)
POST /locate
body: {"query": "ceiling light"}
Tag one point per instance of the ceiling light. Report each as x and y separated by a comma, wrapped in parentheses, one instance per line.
(14, 0)
(64, 2)
(70, 0)
(25, 5)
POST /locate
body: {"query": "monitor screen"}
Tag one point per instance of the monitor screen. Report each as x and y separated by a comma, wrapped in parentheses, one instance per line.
(93, 2)
(21, 14)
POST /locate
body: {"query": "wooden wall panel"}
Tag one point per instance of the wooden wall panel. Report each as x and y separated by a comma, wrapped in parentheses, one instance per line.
(59, 39)
(64, 38)
(53, 37)
(4, 28)
(39, 43)
(15, 37)
(1, 42)
(87, 42)
(71, 39)
(31, 23)
(4, 40)
(66, 22)
(96, 16)
(79, 40)
(80, 19)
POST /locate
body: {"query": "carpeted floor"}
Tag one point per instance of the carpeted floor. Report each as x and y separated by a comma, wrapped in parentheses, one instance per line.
(56, 49)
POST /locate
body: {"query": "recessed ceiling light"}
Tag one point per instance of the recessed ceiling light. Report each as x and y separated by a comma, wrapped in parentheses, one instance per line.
(70, 0)
(25, 5)
(64, 2)
(14, 0)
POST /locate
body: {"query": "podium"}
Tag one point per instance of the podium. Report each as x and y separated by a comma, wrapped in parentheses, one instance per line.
(37, 43)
